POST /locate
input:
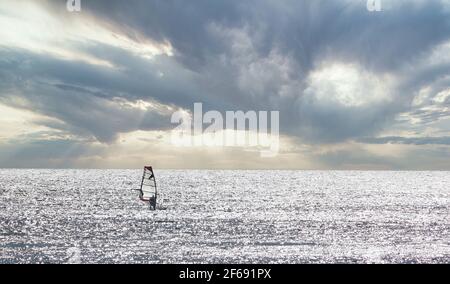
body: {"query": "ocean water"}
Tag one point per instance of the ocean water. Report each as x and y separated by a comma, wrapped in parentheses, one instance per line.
(93, 216)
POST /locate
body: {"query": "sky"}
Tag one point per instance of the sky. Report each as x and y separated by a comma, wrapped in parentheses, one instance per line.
(355, 89)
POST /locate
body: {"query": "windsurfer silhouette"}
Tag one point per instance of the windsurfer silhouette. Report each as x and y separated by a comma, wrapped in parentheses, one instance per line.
(152, 202)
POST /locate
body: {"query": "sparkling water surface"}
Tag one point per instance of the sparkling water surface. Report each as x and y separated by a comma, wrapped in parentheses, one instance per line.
(93, 216)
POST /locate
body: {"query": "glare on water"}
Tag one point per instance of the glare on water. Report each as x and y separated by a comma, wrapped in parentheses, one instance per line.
(92, 216)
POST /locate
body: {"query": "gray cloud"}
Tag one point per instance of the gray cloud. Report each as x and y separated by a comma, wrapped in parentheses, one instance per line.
(241, 55)
(305, 33)
(309, 29)
(85, 98)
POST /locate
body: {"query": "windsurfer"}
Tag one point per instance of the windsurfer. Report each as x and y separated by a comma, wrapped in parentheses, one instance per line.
(152, 202)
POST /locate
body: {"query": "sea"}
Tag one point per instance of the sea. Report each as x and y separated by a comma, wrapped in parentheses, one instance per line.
(214, 216)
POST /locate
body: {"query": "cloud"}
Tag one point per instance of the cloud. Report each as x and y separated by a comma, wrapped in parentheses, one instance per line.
(336, 72)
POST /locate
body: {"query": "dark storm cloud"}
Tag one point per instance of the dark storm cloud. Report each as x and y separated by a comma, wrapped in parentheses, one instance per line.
(309, 29)
(183, 23)
(86, 99)
(234, 55)
(308, 32)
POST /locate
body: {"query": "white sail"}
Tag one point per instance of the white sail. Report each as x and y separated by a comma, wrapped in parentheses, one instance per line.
(148, 190)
